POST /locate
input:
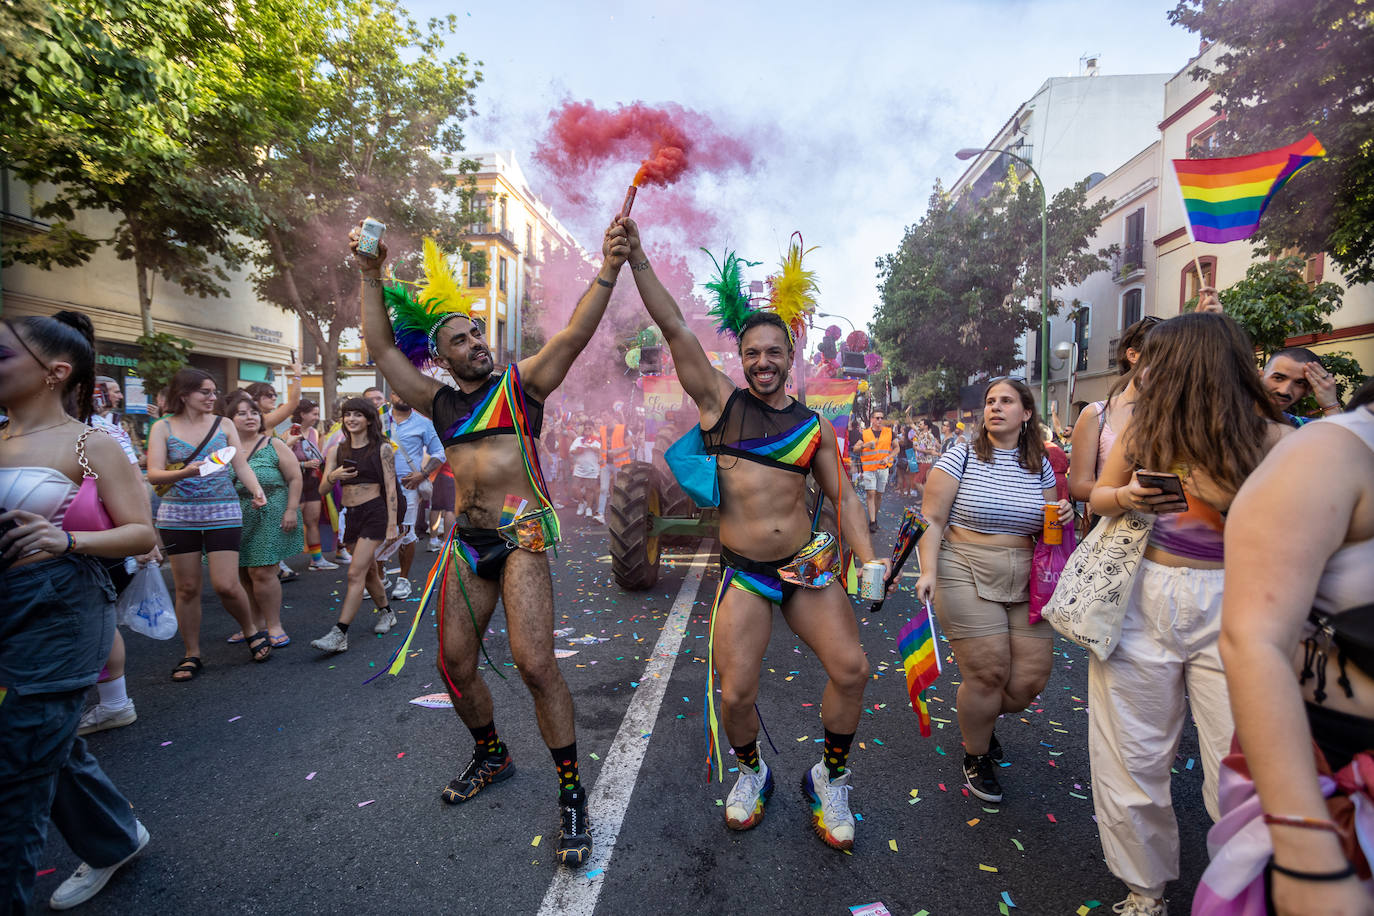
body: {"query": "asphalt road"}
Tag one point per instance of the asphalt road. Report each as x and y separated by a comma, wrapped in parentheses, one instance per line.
(291, 787)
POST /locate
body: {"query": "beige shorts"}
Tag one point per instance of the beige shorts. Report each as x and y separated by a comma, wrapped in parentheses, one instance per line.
(981, 590)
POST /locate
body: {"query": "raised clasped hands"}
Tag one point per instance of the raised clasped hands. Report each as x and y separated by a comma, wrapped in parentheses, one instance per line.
(616, 246)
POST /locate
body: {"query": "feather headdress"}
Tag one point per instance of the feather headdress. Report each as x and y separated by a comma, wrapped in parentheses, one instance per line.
(731, 305)
(415, 322)
(794, 289)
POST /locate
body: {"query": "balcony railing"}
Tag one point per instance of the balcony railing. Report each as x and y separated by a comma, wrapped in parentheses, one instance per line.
(1129, 264)
(490, 229)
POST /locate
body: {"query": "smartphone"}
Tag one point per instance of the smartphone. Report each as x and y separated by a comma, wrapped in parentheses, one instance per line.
(370, 237)
(348, 463)
(7, 562)
(1169, 485)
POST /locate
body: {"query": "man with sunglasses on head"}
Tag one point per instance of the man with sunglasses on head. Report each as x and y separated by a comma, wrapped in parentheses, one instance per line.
(487, 422)
(766, 443)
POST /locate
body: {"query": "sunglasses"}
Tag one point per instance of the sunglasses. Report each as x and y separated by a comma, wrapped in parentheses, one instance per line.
(1007, 378)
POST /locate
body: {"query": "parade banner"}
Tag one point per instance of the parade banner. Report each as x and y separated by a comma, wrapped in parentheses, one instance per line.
(662, 395)
(833, 399)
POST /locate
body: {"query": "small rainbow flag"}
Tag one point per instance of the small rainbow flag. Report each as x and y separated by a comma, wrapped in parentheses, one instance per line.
(511, 510)
(1225, 198)
(921, 660)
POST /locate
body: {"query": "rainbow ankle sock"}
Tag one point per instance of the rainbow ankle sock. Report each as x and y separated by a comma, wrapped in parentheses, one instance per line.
(315, 553)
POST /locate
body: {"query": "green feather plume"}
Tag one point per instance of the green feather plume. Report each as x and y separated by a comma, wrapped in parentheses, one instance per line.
(731, 302)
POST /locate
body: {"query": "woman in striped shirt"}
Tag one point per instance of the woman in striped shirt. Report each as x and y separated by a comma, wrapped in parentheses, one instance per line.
(985, 507)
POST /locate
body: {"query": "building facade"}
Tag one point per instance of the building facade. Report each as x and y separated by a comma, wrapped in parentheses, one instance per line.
(238, 338)
(513, 230)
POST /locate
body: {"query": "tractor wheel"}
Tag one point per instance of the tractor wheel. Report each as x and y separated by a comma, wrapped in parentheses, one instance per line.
(633, 506)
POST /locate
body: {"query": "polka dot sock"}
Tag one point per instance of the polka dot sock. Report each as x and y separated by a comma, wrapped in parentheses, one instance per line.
(489, 744)
(837, 752)
(569, 783)
(748, 755)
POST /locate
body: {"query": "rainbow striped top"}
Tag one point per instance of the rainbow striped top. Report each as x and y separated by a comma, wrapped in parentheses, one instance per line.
(1225, 198)
(488, 411)
(750, 429)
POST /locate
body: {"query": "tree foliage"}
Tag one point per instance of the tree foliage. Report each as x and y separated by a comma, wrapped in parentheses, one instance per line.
(960, 289)
(162, 355)
(1289, 68)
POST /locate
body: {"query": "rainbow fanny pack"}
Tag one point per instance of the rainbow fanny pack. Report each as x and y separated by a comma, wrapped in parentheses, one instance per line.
(814, 565)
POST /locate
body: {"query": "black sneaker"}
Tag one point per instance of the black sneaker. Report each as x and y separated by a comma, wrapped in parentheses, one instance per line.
(480, 773)
(995, 749)
(574, 837)
(980, 774)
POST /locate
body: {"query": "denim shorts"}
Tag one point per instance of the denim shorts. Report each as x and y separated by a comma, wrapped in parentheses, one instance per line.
(56, 626)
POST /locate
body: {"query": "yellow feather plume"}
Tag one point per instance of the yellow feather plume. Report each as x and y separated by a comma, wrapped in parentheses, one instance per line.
(441, 291)
(795, 289)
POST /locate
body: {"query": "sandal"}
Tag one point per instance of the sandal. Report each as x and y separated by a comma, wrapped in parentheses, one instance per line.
(281, 642)
(191, 665)
(236, 638)
(260, 646)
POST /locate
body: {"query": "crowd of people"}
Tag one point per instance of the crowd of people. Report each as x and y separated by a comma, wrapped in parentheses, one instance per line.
(1267, 648)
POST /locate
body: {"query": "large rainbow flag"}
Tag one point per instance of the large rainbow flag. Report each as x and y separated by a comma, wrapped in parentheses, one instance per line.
(1225, 198)
(920, 660)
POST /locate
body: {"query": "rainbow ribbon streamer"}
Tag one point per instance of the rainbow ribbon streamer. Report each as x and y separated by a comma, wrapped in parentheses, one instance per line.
(920, 660)
(529, 450)
(713, 756)
(437, 573)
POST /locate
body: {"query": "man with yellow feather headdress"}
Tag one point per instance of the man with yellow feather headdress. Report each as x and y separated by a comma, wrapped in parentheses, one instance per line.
(488, 423)
(765, 443)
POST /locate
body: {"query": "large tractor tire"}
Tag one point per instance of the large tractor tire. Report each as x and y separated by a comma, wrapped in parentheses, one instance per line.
(634, 504)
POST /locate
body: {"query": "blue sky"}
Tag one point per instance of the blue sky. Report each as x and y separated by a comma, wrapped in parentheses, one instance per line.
(853, 109)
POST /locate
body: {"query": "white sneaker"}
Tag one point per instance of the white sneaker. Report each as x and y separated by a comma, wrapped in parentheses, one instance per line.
(402, 589)
(335, 640)
(829, 799)
(599, 519)
(343, 556)
(744, 805)
(1136, 905)
(385, 622)
(434, 545)
(100, 718)
(322, 563)
(86, 882)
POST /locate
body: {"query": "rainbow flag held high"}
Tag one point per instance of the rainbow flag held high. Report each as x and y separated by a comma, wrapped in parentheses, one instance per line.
(1225, 198)
(921, 661)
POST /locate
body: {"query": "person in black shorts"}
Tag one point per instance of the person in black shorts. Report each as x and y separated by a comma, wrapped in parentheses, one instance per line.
(488, 423)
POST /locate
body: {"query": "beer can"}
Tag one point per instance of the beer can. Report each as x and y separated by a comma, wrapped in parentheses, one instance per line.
(370, 237)
(871, 581)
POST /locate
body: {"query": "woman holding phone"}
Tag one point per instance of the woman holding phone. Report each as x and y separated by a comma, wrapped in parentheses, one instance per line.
(1200, 424)
(201, 514)
(366, 467)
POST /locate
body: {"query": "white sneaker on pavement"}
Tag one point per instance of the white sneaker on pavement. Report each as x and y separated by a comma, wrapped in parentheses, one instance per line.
(1138, 905)
(100, 718)
(322, 563)
(434, 545)
(385, 622)
(402, 589)
(343, 556)
(744, 804)
(86, 881)
(830, 815)
(599, 519)
(335, 640)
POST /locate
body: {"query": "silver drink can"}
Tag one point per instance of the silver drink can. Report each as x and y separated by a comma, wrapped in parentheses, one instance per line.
(871, 581)
(370, 237)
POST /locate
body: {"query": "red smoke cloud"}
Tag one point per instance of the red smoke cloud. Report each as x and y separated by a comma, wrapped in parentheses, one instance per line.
(583, 139)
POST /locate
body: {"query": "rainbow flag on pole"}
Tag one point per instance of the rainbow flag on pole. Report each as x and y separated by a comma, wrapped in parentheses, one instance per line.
(1225, 198)
(921, 661)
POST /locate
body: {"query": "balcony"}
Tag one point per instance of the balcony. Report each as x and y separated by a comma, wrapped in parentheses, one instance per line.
(490, 231)
(1128, 265)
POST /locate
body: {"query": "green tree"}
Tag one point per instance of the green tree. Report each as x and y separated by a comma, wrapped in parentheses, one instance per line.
(954, 294)
(353, 112)
(1274, 303)
(1289, 68)
(104, 104)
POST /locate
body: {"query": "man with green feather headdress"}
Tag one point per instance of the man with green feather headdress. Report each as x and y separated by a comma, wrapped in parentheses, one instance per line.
(488, 422)
(765, 443)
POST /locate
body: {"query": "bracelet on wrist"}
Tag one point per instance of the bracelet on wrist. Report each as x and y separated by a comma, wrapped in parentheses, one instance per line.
(1339, 875)
(1306, 823)
(609, 284)
(71, 543)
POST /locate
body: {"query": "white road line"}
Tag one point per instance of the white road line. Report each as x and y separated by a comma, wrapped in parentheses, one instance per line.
(574, 893)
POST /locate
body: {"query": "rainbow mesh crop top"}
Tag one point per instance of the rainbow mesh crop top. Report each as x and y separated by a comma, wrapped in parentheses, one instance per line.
(750, 429)
(488, 411)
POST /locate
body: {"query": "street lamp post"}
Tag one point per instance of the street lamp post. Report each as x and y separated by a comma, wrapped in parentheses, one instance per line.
(969, 153)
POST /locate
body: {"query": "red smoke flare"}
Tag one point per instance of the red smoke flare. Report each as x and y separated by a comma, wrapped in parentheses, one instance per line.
(582, 137)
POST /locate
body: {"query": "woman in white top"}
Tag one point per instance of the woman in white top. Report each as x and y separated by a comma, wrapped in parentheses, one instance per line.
(1327, 564)
(985, 507)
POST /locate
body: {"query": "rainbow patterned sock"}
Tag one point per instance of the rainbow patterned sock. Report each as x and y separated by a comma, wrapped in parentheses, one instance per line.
(748, 755)
(315, 552)
(489, 744)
